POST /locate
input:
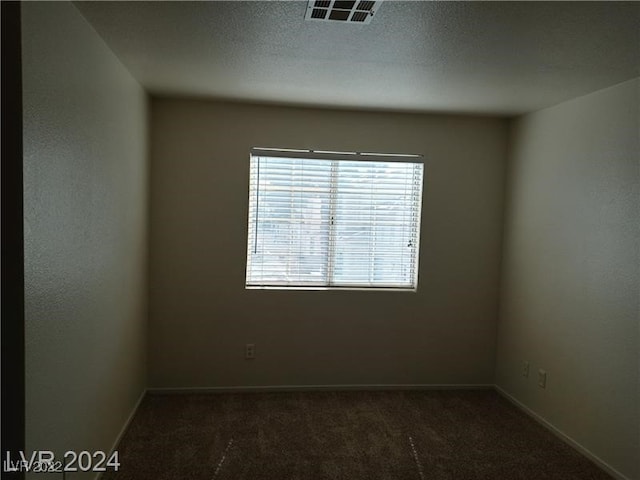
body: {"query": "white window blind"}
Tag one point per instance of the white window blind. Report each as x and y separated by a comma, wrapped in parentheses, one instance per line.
(324, 220)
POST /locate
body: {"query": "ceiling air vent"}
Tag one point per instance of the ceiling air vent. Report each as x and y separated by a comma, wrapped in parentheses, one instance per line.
(358, 11)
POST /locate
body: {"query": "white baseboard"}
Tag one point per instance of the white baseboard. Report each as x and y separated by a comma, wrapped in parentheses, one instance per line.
(563, 436)
(124, 428)
(318, 388)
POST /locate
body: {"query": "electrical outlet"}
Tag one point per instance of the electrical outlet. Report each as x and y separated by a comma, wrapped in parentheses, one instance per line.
(542, 378)
(250, 351)
(525, 369)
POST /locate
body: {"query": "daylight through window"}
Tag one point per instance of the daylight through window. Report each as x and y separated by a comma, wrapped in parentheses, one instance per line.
(333, 220)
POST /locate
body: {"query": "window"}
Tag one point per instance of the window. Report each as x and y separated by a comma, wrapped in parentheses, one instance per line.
(333, 220)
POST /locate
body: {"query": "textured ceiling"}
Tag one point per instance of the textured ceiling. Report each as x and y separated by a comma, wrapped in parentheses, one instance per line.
(479, 57)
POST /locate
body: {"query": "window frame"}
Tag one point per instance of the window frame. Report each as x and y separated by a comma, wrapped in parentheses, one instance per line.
(332, 155)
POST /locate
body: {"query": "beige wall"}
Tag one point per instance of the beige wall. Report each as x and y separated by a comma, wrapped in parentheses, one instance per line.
(570, 283)
(201, 316)
(85, 233)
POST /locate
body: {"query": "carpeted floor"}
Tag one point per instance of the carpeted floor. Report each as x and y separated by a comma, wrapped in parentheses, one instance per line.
(400, 435)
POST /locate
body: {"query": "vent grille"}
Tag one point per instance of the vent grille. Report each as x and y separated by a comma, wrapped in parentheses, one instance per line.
(345, 11)
(359, 16)
(320, 13)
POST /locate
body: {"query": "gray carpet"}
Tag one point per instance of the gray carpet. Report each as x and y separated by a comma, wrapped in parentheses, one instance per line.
(401, 435)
